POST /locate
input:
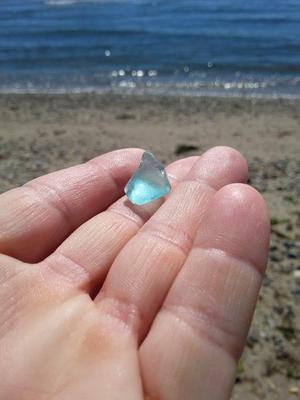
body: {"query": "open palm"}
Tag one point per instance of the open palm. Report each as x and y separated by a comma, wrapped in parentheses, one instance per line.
(100, 299)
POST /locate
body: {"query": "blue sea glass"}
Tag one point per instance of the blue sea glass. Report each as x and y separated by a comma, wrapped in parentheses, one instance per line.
(149, 182)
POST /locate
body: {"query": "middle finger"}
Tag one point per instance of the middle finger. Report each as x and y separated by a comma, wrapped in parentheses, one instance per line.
(143, 272)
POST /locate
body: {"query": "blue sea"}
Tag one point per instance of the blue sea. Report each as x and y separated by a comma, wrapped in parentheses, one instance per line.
(200, 47)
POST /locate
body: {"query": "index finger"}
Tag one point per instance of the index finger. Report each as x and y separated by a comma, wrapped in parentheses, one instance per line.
(37, 217)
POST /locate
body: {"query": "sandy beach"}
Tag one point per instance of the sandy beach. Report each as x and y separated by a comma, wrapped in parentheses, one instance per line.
(42, 133)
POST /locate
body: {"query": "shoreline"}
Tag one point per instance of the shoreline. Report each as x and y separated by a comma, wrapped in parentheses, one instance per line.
(150, 94)
(222, 94)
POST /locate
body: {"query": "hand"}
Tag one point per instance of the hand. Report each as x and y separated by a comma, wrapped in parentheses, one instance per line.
(103, 300)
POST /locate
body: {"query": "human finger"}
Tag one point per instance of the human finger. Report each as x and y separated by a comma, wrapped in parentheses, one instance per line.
(143, 272)
(199, 333)
(36, 217)
(85, 256)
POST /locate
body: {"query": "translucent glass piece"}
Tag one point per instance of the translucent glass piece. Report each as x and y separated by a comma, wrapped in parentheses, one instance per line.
(149, 182)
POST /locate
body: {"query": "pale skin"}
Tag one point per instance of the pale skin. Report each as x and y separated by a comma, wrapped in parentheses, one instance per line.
(100, 299)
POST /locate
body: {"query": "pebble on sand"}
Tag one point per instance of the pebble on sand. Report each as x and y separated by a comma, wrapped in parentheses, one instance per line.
(294, 390)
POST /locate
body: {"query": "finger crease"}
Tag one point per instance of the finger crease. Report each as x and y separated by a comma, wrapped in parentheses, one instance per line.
(128, 216)
(122, 311)
(108, 173)
(206, 324)
(214, 251)
(172, 235)
(53, 198)
(201, 183)
(69, 268)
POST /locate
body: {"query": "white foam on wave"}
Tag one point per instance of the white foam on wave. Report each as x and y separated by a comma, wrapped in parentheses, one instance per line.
(69, 2)
(130, 87)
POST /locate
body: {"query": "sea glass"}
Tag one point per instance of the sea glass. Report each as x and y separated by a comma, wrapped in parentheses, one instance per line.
(149, 182)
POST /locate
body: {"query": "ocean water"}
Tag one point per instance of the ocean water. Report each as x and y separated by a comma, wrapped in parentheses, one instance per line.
(210, 47)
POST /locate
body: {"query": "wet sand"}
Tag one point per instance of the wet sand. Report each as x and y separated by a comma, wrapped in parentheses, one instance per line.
(42, 133)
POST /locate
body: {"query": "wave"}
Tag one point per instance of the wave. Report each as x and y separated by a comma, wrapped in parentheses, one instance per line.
(159, 90)
(150, 82)
(70, 2)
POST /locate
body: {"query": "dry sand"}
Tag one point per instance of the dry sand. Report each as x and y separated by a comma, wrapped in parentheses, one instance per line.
(42, 133)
